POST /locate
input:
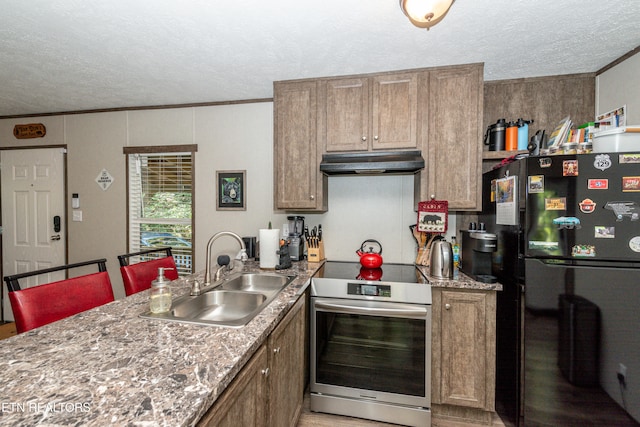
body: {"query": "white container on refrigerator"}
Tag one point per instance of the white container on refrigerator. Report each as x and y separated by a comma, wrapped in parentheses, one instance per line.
(623, 138)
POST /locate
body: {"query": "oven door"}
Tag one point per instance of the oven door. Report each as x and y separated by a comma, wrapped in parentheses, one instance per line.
(371, 350)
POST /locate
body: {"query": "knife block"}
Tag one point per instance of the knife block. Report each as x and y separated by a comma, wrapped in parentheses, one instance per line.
(316, 254)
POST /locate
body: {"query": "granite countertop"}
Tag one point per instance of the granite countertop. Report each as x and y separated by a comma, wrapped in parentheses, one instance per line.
(108, 366)
(460, 281)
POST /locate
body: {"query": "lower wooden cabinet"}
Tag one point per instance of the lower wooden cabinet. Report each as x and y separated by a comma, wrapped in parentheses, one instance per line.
(463, 353)
(269, 390)
(244, 402)
(286, 361)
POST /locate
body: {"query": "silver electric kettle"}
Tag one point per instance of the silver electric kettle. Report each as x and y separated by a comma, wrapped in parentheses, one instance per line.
(441, 259)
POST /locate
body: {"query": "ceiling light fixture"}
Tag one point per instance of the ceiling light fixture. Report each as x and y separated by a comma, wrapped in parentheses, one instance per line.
(425, 13)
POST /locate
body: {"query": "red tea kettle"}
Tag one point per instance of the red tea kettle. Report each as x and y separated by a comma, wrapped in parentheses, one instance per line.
(369, 258)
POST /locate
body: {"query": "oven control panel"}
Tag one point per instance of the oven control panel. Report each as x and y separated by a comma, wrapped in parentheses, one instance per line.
(371, 290)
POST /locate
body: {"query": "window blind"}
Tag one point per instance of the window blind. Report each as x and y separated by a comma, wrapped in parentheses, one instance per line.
(160, 194)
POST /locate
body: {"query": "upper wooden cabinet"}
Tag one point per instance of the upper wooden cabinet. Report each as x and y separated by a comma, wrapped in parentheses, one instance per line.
(435, 110)
(451, 103)
(369, 113)
(298, 183)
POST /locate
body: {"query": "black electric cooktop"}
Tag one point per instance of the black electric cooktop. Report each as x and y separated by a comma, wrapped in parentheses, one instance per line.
(400, 273)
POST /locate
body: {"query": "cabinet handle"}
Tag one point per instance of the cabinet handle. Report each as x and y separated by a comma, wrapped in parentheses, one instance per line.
(447, 306)
(312, 197)
(364, 138)
(276, 350)
(375, 137)
(265, 372)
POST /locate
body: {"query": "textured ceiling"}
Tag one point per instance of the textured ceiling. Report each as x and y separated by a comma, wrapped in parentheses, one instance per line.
(70, 55)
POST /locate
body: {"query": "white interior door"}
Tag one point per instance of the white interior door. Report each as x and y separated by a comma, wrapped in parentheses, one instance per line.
(32, 193)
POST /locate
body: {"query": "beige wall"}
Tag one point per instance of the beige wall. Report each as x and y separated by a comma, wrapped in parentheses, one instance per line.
(618, 86)
(230, 137)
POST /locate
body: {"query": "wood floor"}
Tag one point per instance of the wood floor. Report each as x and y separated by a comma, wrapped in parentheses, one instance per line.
(316, 419)
(550, 400)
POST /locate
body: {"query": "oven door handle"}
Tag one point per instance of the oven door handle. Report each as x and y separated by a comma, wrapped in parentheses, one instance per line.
(405, 311)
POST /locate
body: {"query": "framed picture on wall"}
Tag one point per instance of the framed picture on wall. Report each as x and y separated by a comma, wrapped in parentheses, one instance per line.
(231, 192)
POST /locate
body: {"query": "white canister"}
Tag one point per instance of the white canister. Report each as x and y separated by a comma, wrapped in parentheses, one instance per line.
(269, 246)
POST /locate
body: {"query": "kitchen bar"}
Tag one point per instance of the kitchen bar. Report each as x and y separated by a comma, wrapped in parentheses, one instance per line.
(108, 366)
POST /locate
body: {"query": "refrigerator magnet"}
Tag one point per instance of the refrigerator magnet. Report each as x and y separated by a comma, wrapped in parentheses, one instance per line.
(628, 158)
(543, 245)
(544, 162)
(583, 251)
(555, 204)
(604, 232)
(630, 183)
(587, 206)
(602, 162)
(567, 222)
(624, 209)
(634, 244)
(536, 184)
(598, 184)
(570, 168)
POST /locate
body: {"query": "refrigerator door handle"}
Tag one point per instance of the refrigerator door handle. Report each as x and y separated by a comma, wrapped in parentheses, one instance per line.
(555, 263)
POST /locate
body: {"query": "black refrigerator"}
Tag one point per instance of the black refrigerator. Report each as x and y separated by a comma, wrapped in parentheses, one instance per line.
(568, 231)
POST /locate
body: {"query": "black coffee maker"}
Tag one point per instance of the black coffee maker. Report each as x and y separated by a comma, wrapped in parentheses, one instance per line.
(296, 240)
(477, 249)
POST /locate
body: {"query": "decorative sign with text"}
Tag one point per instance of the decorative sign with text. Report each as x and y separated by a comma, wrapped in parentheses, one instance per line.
(433, 216)
(31, 130)
(104, 180)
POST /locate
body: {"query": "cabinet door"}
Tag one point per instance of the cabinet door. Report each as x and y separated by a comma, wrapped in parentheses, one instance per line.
(464, 348)
(298, 184)
(345, 115)
(286, 383)
(453, 147)
(394, 111)
(244, 402)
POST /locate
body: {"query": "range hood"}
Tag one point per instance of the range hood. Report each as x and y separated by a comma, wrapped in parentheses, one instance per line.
(370, 163)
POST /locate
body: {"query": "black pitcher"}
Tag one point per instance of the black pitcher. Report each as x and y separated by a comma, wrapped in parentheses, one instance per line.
(495, 134)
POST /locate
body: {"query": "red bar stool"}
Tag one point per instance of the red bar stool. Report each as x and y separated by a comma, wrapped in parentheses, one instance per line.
(46, 303)
(138, 277)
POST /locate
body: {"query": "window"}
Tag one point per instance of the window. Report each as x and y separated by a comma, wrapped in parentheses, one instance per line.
(160, 201)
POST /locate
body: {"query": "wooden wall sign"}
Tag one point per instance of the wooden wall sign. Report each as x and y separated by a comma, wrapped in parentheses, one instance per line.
(31, 130)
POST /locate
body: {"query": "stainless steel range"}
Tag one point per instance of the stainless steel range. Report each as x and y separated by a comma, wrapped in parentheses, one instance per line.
(371, 343)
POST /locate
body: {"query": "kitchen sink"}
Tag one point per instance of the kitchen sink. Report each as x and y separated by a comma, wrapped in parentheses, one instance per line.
(256, 282)
(231, 302)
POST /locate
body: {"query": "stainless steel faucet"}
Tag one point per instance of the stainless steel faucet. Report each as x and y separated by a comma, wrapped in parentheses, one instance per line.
(243, 252)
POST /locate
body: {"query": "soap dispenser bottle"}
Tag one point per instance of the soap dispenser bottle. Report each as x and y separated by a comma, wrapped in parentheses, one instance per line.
(160, 299)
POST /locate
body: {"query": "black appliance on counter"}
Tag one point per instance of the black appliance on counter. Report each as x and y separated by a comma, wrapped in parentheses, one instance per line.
(370, 352)
(477, 251)
(568, 232)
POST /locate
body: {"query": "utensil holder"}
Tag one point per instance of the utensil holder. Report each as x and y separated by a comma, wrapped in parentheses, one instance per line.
(316, 254)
